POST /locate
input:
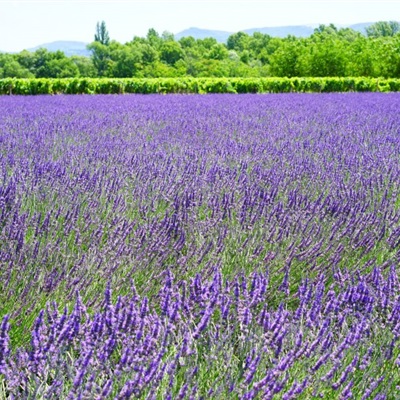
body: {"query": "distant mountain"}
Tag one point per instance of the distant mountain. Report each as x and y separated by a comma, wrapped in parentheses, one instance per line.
(68, 47)
(278, 31)
(198, 33)
(361, 27)
(283, 31)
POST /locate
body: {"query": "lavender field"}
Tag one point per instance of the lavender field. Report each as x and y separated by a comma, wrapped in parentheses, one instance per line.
(200, 247)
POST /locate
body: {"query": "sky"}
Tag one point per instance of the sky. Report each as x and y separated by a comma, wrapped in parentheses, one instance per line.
(28, 23)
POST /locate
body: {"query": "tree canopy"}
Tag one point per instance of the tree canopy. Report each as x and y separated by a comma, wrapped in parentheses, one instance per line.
(329, 51)
(101, 34)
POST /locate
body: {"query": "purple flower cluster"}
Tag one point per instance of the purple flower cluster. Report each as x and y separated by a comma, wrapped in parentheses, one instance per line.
(133, 348)
(187, 246)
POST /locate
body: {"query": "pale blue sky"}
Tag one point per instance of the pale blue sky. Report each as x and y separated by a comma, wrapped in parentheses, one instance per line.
(27, 23)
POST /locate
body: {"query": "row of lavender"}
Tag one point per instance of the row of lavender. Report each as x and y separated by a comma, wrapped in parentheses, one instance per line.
(98, 191)
(216, 339)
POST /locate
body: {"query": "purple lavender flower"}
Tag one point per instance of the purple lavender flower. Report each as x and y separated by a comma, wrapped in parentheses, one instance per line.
(4, 344)
(372, 387)
(102, 191)
(349, 369)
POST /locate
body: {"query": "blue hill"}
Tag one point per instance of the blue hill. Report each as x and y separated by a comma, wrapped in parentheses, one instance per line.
(278, 31)
(68, 47)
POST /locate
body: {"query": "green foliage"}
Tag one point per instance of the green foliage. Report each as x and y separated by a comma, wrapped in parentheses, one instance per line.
(383, 28)
(159, 70)
(154, 39)
(326, 30)
(101, 34)
(60, 68)
(194, 85)
(125, 61)
(171, 52)
(361, 58)
(328, 52)
(10, 67)
(100, 57)
(168, 36)
(45, 64)
(85, 66)
(238, 41)
(285, 60)
(218, 52)
(149, 54)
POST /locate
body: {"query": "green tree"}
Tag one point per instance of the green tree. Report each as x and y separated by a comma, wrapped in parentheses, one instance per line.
(238, 41)
(349, 35)
(11, 68)
(45, 64)
(192, 48)
(154, 38)
(168, 36)
(101, 34)
(239, 69)
(257, 46)
(187, 42)
(218, 52)
(149, 54)
(159, 69)
(41, 57)
(58, 68)
(210, 68)
(171, 52)
(326, 29)
(100, 57)
(245, 57)
(325, 53)
(85, 66)
(387, 56)
(383, 28)
(285, 60)
(125, 61)
(361, 59)
(27, 60)
(99, 49)
(270, 47)
(206, 43)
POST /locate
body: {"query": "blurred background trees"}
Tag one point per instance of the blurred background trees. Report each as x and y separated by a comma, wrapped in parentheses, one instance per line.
(329, 51)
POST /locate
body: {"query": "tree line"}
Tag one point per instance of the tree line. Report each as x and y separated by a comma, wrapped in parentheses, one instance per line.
(329, 51)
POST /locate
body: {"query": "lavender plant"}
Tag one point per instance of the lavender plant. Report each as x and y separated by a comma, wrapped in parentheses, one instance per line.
(200, 247)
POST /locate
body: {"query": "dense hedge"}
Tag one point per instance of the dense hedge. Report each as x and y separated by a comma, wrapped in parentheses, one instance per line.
(195, 85)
